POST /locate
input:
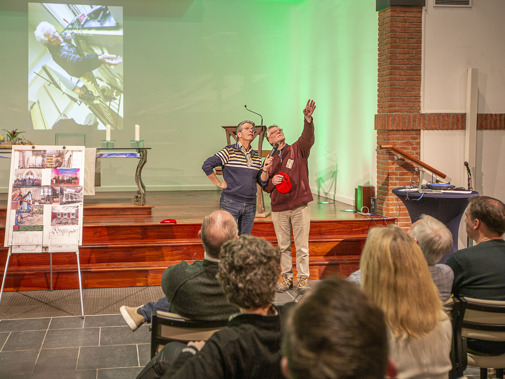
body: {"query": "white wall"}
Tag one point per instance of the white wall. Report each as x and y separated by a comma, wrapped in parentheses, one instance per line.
(456, 39)
(190, 70)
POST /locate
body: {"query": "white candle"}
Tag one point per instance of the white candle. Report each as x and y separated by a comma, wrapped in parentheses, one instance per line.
(137, 132)
(107, 133)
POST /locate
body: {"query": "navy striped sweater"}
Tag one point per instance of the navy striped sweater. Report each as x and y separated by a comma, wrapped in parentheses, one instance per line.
(240, 177)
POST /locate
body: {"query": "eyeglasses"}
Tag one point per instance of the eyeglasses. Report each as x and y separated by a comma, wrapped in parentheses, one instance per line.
(273, 133)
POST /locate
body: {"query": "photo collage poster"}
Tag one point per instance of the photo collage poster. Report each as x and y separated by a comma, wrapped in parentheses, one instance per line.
(46, 199)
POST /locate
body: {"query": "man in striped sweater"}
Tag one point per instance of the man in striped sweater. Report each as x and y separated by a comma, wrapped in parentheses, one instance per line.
(242, 170)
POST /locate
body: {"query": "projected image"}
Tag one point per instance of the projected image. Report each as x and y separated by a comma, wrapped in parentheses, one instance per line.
(75, 68)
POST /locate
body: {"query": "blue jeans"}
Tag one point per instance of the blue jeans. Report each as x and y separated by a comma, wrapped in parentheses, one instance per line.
(147, 309)
(242, 212)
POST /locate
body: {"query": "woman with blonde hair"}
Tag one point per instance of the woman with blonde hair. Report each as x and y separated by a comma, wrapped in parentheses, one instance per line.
(397, 278)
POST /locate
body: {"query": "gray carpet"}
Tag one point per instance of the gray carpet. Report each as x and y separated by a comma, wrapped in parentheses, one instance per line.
(97, 301)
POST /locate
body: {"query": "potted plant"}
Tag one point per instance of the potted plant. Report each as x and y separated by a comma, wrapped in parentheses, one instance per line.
(13, 138)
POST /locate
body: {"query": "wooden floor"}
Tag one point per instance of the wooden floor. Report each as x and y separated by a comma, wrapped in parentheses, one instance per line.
(193, 206)
(183, 206)
(126, 246)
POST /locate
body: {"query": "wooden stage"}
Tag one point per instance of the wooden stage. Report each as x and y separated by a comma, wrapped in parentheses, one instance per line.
(126, 246)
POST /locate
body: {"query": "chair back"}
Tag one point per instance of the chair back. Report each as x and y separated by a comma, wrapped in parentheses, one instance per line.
(167, 327)
(484, 319)
(456, 311)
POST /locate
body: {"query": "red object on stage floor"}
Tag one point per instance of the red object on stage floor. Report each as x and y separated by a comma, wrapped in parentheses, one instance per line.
(168, 221)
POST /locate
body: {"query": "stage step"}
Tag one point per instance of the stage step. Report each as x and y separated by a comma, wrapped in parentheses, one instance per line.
(97, 210)
(117, 210)
(137, 254)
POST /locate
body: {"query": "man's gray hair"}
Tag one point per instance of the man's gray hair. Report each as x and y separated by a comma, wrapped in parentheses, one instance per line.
(42, 29)
(270, 127)
(241, 125)
(433, 237)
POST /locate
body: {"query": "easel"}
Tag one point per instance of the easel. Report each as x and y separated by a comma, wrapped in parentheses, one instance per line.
(40, 218)
(70, 250)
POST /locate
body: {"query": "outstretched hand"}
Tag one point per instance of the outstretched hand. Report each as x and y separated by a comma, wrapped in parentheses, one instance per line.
(110, 59)
(309, 109)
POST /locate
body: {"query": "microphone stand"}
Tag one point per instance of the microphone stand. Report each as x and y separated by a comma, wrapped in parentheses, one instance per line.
(245, 106)
(469, 174)
(260, 210)
(469, 241)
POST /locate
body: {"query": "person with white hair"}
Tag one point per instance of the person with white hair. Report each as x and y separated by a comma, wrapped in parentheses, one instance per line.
(72, 61)
(67, 56)
(434, 239)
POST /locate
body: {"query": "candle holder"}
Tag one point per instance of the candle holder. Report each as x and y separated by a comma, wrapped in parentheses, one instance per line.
(108, 144)
(137, 144)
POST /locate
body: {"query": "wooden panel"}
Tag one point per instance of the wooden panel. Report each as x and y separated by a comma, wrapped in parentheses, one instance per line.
(124, 248)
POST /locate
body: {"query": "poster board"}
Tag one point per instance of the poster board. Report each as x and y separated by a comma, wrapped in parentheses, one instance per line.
(45, 203)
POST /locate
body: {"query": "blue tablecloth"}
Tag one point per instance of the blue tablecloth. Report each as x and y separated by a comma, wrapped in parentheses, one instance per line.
(446, 206)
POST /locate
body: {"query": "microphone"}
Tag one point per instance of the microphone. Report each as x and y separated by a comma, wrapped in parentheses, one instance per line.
(273, 150)
(245, 106)
(469, 173)
(467, 167)
(271, 153)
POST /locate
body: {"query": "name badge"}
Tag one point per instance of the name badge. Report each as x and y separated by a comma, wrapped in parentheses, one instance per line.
(289, 163)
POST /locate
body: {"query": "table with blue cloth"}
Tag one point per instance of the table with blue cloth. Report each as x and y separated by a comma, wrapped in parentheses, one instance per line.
(446, 206)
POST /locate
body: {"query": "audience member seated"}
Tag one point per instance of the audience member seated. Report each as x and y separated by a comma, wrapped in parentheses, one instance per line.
(249, 346)
(397, 279)
(335, 332)
(479, 271)
(434, 239)
(193, 290)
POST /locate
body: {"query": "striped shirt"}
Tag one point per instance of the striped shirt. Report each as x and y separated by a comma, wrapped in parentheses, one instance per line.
(241, 171)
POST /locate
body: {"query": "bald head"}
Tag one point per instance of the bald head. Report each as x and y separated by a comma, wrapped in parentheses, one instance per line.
(217, 228)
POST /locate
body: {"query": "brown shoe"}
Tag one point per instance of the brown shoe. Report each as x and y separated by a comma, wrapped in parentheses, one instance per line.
(132, 318)
(303, 284)
(284, 284)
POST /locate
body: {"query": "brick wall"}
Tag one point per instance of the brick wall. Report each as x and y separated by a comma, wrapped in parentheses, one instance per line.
(398, 103)
(398, 120)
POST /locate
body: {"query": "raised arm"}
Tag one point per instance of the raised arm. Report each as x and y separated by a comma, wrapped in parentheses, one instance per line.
(309, 109)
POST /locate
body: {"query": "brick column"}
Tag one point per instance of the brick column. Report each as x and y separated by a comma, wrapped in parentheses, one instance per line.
(398, 119)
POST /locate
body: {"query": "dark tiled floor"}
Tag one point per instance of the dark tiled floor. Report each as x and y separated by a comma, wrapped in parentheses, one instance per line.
(100, 346)
(70, 347)
(96, 347)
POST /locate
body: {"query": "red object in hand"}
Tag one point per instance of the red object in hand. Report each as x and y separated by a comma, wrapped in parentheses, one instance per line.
(285, 185)
(168, 221)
